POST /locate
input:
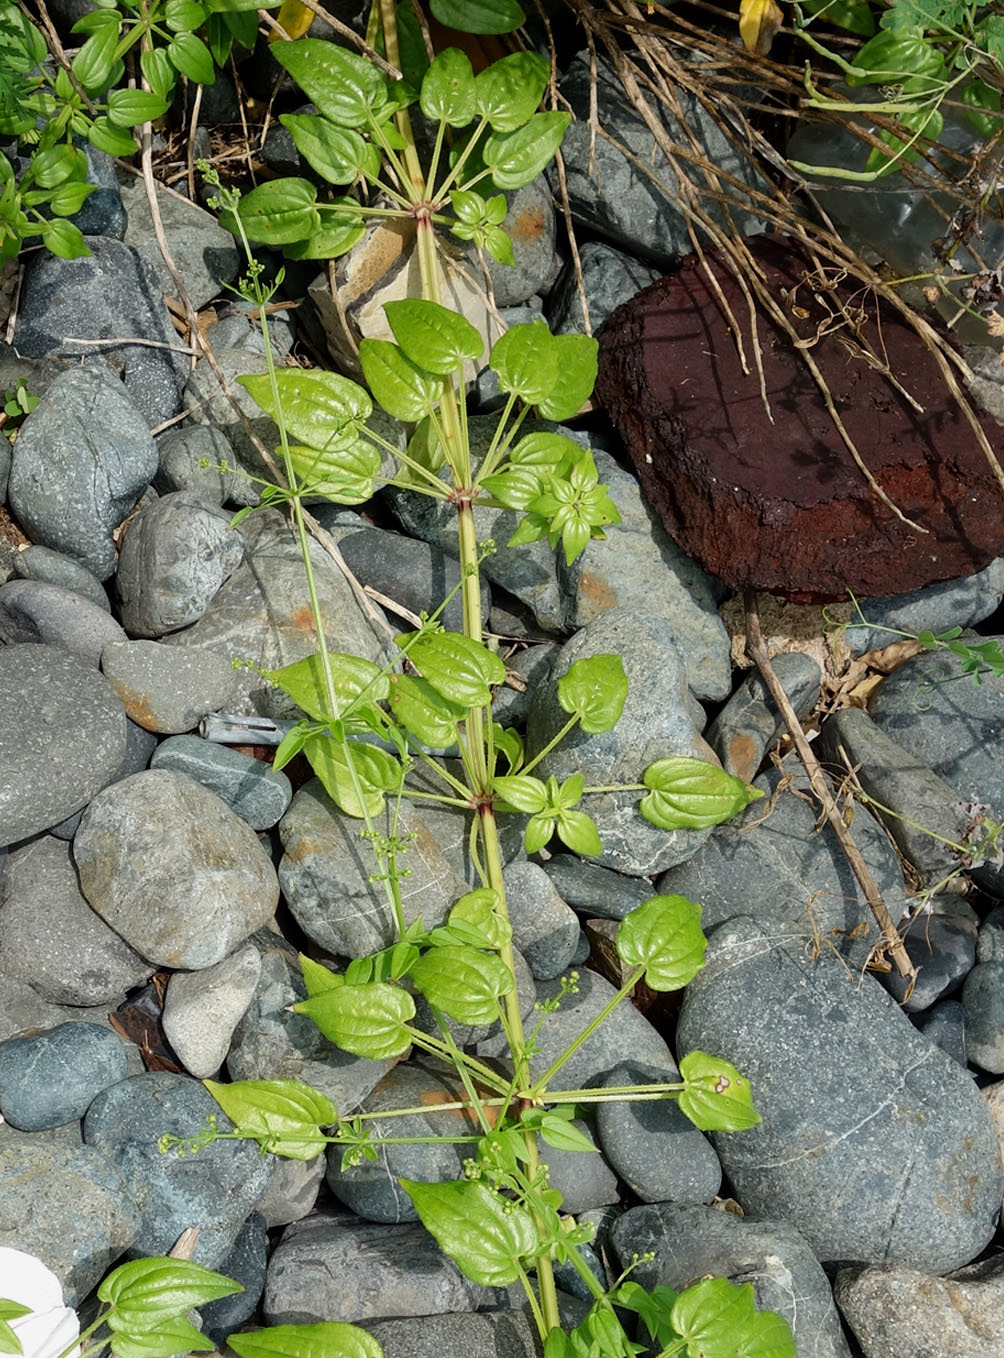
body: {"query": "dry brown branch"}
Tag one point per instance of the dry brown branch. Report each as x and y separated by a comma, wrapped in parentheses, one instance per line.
(757, 649)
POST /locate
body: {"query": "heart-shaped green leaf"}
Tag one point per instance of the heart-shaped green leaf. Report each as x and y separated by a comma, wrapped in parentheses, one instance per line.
(484, 1233)
(145, 1293)
(664, 936)
(352, 677)
(691, 794)
(463, 982)
(366, 1020)
(456, 666)
(595, 688)
(343, 86)
(286, 1115)
(516, 158)
(716, 1098)
(432, 336)
(448, 89)
(405, 390)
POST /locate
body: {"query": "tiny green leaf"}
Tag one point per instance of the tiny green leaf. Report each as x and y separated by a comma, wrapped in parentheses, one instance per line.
(320, 408)
(190, 55)
(509, 91)
(483, 1232)
(144, 1293)
(563, 1135)
(284, 1115)
(317, 977)
(447, 93)
(664, 936)
(479, 911)
(716, 1098)
(539, 832)
(405, 390)
(595, 688)
(351, 676)
(456, 666)
(129, 108)
(65, 240)
(463, 982)
(366, 1020)
(578, 831)
(323, 1339)
(516, 158)
(338, 154)
(691, 794)
(432, 336)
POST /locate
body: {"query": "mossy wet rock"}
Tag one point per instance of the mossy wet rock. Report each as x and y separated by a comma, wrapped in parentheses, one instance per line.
(875, 1144)
(780, 505)
(173, 870)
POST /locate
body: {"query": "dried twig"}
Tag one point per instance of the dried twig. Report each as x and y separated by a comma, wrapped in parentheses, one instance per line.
(757, 649)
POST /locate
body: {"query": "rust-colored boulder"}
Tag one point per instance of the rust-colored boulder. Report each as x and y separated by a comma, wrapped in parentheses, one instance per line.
(781, 506)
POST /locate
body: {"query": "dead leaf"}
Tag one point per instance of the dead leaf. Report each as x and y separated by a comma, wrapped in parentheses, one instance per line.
(759, 22)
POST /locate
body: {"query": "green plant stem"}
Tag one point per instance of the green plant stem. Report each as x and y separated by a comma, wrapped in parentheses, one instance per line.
(538, 1089)
(551, 744)
(440, 1049)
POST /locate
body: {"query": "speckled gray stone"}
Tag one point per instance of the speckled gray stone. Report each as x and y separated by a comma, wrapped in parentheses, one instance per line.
(82, 459)
(545, 929)
(655, 723)
(952, 603)
(905, 1311)
(749, 723)
(850, 1094)
(182, 452)
(204, 253)
(68, 1205)
(690, 1243)
(251, 787)
(609, 277)
(140, 745)
(62, 737)
(173, 870)
(371, 1189)
(216, 1189)
(112, 293)
(655, 1149)
(983, 1001)
(907, 785)
(638, 566)
(416, 574)
(626, 1030)
(56, 568)
(35, 611)
(202, 1009)
(773, 862)
(341, 1270)
(168, 689)
(207, 404)
(486, 1334)
(245, 1263)
(325, 875)
(51, 1078)
(176, 554)
(261, 614)
(592, 890)
(50, 936)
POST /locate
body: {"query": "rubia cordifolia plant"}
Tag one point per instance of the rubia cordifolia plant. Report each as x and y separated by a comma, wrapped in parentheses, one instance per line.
(367, 727)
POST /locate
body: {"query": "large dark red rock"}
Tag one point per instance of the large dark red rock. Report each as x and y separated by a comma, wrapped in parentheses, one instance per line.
(781, 506)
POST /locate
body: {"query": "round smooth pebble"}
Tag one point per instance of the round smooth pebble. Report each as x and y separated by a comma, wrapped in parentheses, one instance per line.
(33, 610)
(258, 793)
(50, 1078)
(202, 1009)
(166, 689)
(173, 870)
(52, 939)
(544, 928)
(176, 554)
(56, 568)
(62, 737)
